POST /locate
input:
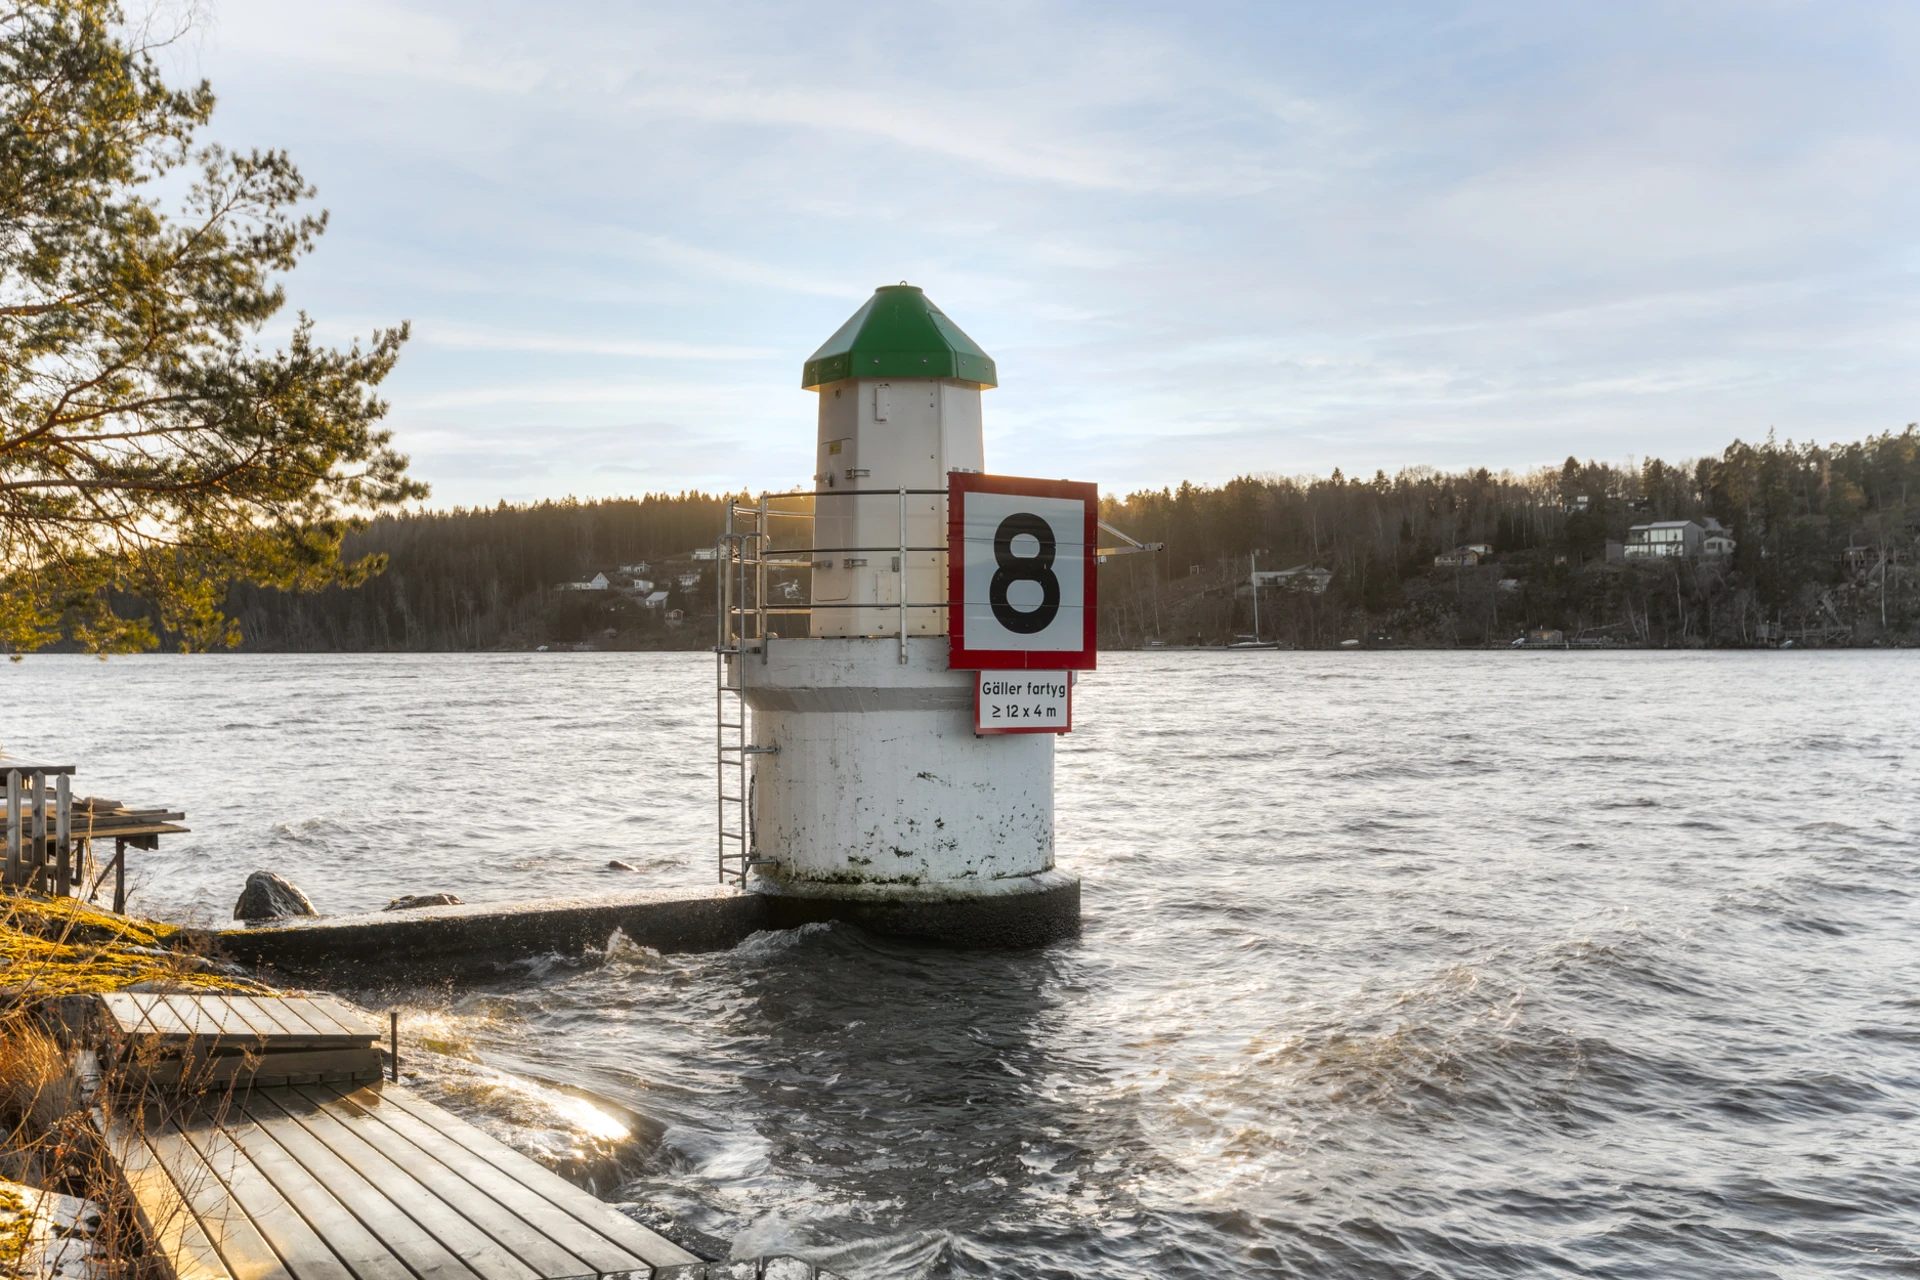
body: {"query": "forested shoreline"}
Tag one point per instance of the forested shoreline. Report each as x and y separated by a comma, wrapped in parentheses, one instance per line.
(1825, 545)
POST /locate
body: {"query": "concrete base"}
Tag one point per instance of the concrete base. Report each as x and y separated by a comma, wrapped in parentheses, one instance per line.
(1005, 915)
(465, 938)
(1028, 912)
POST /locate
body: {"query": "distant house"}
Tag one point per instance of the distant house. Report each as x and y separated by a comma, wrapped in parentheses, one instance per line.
(642, 585)
(1685, 538)
(598, 582)
(1301, 577)
(1458, 558)
(636, 570)
(1663, 539)
(688, 581)
(655, 600)
(1481, 549)
(703, 553)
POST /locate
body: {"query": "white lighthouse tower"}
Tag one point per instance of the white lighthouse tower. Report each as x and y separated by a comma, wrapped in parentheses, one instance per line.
(864, 791)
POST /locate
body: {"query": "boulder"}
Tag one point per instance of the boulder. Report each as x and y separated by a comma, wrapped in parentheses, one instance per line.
(270, 897)
(617, 865)
(408, 901)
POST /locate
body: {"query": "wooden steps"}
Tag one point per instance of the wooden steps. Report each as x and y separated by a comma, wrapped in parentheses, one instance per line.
(209, 1041)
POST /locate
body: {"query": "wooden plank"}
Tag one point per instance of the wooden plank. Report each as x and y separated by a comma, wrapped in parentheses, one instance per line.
(358, 1249)
(350, 1020)
(213, 1016)
(242, 1248)
(477, 1248)
(198, 1016)
(524, 1239)
(590, 1246)
(299, 1018)
(122, 1010)
(371, 1207)
(243, 1020)
(165, 1217)
(141, 1014)
(594, 1212)
(313, 1020)
(261, 1068)
(287, 1232)
(296, 1018)
(263, 1015)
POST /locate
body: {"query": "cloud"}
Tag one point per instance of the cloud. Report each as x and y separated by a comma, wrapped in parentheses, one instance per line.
(458, 336)
(1199, 241)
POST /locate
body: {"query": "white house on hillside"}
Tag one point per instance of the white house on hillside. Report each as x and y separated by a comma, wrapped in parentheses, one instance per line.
(598, 582)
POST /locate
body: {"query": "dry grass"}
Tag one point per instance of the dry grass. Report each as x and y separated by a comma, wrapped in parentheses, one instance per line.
(37, 1096)
(55, 954)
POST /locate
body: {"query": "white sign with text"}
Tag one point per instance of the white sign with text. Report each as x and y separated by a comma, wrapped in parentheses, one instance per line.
(1023, 702)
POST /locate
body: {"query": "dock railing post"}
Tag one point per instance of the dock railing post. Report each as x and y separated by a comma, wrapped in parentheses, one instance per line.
(37, 859)
(119, 875)
(63, 835)
(13, 827)
(393, 1038)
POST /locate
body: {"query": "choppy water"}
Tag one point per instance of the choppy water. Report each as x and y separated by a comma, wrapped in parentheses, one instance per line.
(1503, 964)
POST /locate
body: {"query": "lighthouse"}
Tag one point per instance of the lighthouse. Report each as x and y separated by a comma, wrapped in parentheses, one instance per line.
(859, 780)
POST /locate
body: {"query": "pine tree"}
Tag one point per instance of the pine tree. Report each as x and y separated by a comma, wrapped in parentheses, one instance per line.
(148, 445)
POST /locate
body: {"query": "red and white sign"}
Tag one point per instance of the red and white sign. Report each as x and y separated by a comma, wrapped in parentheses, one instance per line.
(1023, 702)
(1021, 582)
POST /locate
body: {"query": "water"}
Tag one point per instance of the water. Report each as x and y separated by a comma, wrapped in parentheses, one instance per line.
(1412, 964)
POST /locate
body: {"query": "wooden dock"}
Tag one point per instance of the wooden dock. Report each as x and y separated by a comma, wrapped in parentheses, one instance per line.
(50, 835)
(207, 1041)
(237, 1178)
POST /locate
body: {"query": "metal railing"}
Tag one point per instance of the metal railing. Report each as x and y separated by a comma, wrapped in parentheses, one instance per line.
(744, 556)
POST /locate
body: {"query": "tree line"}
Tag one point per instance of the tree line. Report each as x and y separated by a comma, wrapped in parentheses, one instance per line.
(491, 578)
(1825, 538)
(1825, 545)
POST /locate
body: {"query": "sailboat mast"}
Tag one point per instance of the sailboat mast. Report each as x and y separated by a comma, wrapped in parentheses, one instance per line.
(1253, 580)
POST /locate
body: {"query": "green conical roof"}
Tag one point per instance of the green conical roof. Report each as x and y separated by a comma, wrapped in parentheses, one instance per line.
(899, 334)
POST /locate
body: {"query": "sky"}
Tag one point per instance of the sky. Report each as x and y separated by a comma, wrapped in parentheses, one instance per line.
(1200, 240)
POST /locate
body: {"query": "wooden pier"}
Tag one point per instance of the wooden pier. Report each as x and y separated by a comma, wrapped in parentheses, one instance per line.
(50, 835)
(256, 1148)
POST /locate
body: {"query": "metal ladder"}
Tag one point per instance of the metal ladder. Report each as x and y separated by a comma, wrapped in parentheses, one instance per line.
(739, 561)
(734, 818)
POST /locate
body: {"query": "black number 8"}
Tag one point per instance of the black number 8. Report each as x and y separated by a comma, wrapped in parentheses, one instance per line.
(1034, 568)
